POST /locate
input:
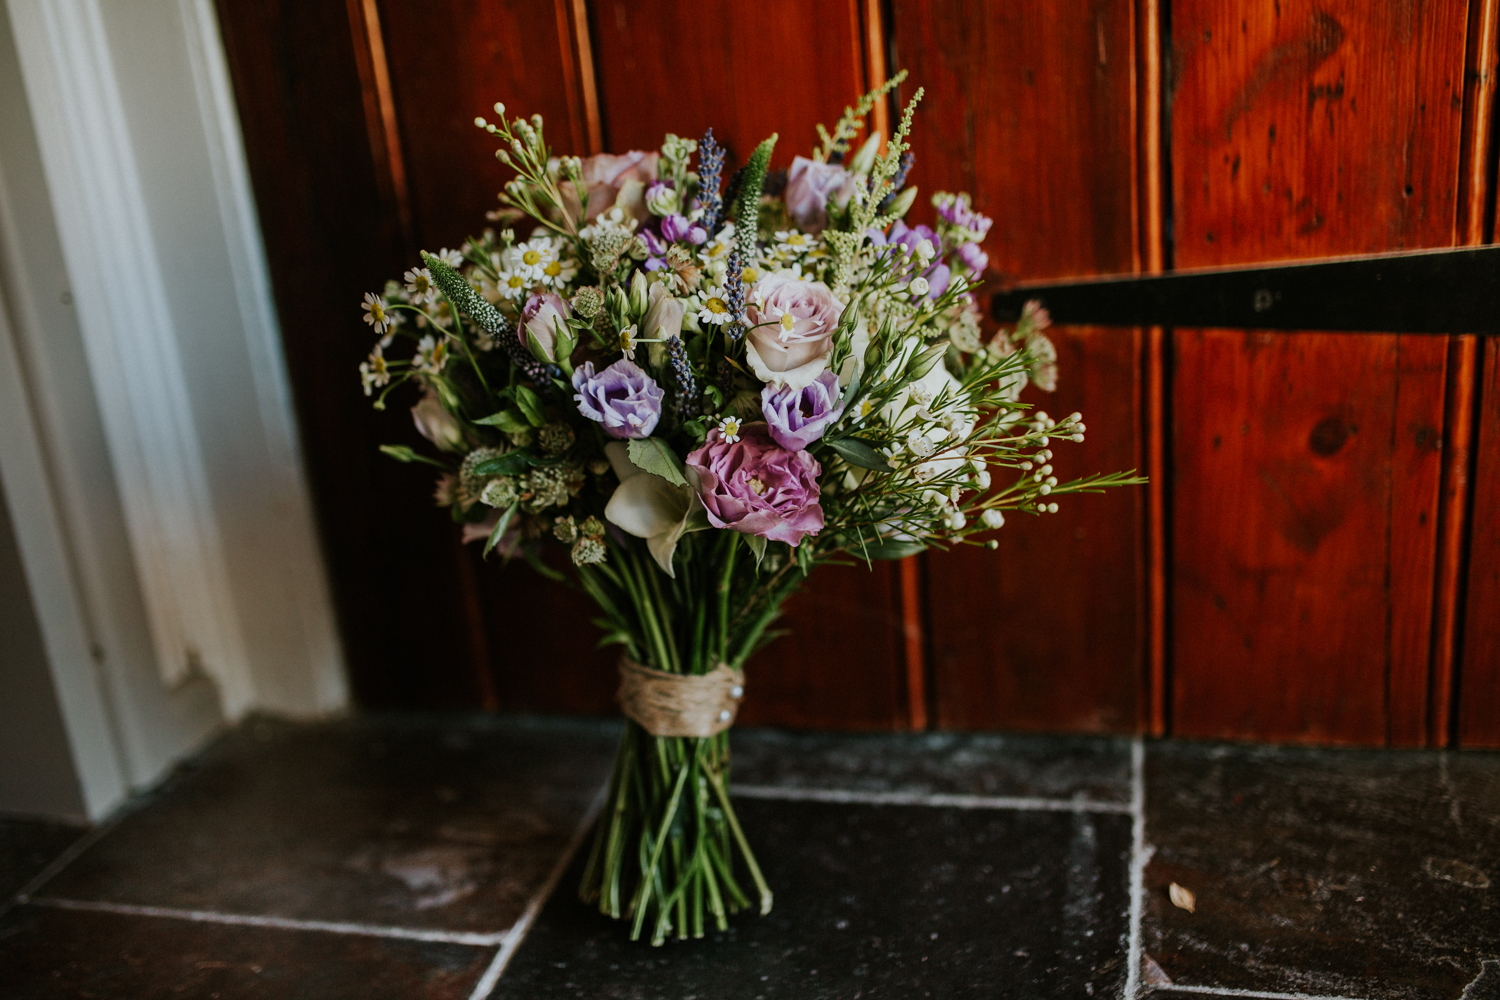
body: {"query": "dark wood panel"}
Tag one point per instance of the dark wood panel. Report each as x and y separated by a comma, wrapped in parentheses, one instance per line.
(1304, 572)
(1030, 107)
(331, 234)
(1479, 668)
(450, 61)
(679, 66)
(1302, 547)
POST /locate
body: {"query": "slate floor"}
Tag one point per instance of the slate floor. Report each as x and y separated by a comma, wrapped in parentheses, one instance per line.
(435, 857)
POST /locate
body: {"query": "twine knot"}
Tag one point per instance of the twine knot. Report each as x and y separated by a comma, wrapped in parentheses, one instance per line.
(667, 704)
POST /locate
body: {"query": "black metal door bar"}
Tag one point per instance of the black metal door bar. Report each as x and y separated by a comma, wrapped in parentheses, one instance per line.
(1422, 291)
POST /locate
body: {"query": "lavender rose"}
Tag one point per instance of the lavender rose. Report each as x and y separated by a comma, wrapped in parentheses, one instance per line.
(810, 185)
(757, 487)
(436, 424)
(540, 317)
(798, 417)
(792, 329)
(623, 398)
(609, 180)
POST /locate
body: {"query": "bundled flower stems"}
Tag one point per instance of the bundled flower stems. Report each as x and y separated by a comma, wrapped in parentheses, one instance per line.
(702, 388)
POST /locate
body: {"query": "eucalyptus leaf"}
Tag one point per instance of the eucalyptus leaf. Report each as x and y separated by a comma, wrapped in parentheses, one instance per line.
(531, 405)
(895, 550)
(857, 452)
(510, 420)
(654, 456)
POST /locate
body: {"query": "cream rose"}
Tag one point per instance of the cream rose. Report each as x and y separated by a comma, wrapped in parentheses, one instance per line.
(792, 324)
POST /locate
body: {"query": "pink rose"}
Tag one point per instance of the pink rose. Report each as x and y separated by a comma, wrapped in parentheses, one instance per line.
(792, 328)
(809, 187)
(757, 487)
(540, 317)
(609, 180)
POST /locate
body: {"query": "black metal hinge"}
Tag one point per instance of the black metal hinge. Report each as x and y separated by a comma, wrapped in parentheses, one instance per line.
(1422, 291)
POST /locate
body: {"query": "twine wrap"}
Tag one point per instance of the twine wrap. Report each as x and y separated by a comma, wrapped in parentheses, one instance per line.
(667, 704)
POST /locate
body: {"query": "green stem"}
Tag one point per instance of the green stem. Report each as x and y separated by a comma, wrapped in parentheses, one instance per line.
(739, 836)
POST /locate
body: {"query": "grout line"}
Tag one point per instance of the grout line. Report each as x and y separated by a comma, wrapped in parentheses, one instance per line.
(279, 923)
(89, 838)
(518, 931)
(1139, 855)
(1224, 991)
(924, 799)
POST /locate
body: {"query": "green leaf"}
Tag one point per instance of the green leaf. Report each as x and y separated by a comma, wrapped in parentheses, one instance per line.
(512, 463)
(805, 559)
(535, 562)
(895, 550)
(925, 361)
(758, 546)
(508, 420)
(531, 405)
(654, 456)
(500, 526)
(857, 452)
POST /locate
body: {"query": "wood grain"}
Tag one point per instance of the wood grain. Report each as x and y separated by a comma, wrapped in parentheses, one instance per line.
(679, 66)
(1303, 572)
(1031, 107)
(1479, 677)
(331, 234)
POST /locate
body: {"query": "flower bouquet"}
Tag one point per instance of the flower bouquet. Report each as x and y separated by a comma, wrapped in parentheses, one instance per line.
(704, 388)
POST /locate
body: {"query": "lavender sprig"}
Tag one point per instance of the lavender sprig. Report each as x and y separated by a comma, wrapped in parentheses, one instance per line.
(734, 294)
(710, 175)
(687, 386)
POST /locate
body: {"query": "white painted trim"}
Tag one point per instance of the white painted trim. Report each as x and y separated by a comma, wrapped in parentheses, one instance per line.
(60, 611)
(935, 800)
(131, 342)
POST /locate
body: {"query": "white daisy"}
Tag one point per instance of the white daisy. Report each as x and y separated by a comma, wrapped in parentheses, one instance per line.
(432, 355)
(715, 307)
(558, 272)
(790, 242)
(374, 373)
(729, 429)
(513, 284)
(627, 342)
(377, 313)
(532, 257)
(453, 258)
(419, 286)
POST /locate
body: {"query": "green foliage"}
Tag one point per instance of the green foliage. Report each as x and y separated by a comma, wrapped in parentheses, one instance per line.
(747, 207)
(464, 298)
(857, 452)
(655, 456)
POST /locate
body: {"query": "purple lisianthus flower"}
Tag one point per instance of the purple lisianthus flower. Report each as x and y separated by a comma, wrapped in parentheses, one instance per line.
(973, 258)
(757, 487)
(798, 417)
(938, 274)
(623, 398)
(675, 228)
(810, 186)
(957, 211)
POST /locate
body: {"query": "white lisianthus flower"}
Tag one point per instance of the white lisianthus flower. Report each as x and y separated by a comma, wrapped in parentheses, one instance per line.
(649, 507)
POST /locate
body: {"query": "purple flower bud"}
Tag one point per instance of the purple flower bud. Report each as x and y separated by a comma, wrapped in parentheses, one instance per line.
(623, 398)
(798, 417)
(675, 228)
(973, 257)
(697, 236)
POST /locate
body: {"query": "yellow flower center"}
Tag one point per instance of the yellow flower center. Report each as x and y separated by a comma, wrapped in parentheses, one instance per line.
(515, 281)
(553, 269)
(788, 321)
(750, 276)
(732, 427)
(716, 305)
(715, 250)
(530, 257)
(796, 240)
(756, 486)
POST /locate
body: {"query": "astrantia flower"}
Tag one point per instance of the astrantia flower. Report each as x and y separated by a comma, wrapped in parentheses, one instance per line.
(715, 308)
(623, 398)
(757, 487)
(530, 259)
(419, 286)
(377, 314)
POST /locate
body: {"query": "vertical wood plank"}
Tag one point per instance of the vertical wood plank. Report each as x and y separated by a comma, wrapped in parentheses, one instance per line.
(1284, 123)
(1031, 107)
(331, 235)
(1479, 678)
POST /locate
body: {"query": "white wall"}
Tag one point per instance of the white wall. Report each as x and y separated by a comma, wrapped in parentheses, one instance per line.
(153, 439)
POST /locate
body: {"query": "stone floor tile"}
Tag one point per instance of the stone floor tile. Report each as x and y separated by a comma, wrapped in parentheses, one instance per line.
(49, 953)
(873, 901)
(433, 822)
(1056, 767)
(1372, 874)
(27, 846)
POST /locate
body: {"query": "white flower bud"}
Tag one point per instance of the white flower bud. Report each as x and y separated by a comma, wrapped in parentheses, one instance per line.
(983, 479)
(1051, 480)
(919, 286)
(992, 545)
(1046, 470)
(499, 109)
(1052, 508)
(1074, 417)
(1078, 438)
(992, 518)
(925, 250)
(1044, 489)
(479, 121)
(662, 201)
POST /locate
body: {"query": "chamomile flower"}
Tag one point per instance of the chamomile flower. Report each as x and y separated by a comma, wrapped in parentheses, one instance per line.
(865, 407)
(790, 242)
(531, 258)
(558, 271)
(432, 355)
(374, 373)
(377, 313)
(453, 258)
(729, 429)
(513, 284)
(419, 286)
(627, 342)
(715, 308)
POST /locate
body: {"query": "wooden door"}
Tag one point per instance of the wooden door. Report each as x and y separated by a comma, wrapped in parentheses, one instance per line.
(1304, 565)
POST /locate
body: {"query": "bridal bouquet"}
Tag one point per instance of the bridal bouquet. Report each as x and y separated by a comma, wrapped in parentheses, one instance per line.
(702, 388)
